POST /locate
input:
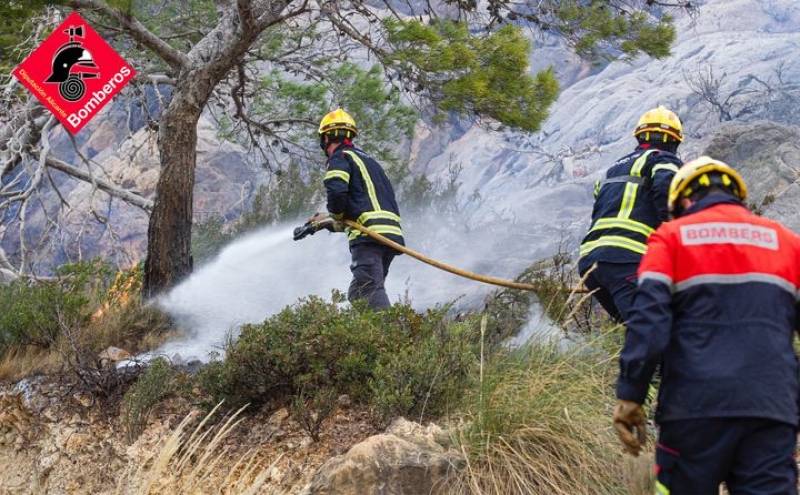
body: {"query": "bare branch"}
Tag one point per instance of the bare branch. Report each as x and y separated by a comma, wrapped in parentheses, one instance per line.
(172, 56)
(102, 184)
(272, 16)
(19, 133)
(156, 79)
(245, 9)
(350, 31)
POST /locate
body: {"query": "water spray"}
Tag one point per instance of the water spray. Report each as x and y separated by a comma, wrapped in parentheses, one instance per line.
(309, 228)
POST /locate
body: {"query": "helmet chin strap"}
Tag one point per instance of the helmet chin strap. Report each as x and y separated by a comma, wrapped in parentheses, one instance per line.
(324, 143)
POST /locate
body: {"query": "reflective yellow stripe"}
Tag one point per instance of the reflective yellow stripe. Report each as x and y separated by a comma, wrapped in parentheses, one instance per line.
(386, 229)
(337, 174)
(379, 229)
(378, 215)
(367, 180)
(661, 489)
(613, 241)
(664, 166)
(638, 165)
(597, 187)
(629, 196)
(622, 223)
(652, 393)
(628, 199)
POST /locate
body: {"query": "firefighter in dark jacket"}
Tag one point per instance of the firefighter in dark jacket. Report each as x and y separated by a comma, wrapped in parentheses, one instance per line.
(717, 306)
(630, 203)
(359, 190)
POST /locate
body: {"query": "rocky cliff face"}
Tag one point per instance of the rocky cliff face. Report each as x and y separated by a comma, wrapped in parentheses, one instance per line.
(735, 62)
(768, 156)
(742, 53)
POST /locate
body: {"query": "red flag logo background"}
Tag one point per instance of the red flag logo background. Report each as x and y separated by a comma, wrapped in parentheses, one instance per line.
(74, 73)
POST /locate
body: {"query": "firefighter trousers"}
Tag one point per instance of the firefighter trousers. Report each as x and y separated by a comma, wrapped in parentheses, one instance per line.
(615, 286)
(370, 266)
(753, 456)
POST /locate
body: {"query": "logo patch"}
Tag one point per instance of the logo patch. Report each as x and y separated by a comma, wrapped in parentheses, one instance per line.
(729, 233)
(74, 73)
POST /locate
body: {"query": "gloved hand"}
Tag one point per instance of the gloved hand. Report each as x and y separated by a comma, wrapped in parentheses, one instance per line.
(318, 218)
(335, 226)
(630, 423)
(325, 221)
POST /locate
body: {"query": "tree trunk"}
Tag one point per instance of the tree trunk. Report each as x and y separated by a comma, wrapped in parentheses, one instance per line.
(169, 247)
(169, 235)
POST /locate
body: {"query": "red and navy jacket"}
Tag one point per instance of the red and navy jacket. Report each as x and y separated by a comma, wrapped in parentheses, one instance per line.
(717, 307)
(358, 189)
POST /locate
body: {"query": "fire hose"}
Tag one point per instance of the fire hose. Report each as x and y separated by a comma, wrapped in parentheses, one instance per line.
(438, 264)
(309, 229)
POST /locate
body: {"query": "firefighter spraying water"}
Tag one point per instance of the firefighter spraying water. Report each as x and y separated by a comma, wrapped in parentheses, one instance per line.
(362, 204)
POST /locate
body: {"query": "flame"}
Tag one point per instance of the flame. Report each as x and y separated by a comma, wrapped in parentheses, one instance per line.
(121, 293)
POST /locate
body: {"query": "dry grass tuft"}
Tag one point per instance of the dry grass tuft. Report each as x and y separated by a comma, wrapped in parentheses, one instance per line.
(19, 362)
(540, 418)
(540, 424)
(133, 326)
(195, 461)
(639, 475)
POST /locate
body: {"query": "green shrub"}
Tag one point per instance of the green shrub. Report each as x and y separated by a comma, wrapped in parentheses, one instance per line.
(425, 378)
(152, 386)
(34, 313)
(396, 361)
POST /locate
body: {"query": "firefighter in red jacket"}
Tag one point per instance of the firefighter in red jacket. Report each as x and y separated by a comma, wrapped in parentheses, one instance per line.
(717, 306)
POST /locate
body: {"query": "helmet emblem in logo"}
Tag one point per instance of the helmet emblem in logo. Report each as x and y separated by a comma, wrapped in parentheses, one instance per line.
(71, 64)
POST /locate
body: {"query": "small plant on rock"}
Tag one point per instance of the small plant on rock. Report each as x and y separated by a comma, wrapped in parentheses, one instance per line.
(150, 388)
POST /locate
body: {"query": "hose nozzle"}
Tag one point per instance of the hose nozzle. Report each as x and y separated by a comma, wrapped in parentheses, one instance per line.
(304, 230)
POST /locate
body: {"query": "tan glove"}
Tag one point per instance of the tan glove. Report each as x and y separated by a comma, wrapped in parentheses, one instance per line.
(318, 218)
(630, 423)
(325, 221)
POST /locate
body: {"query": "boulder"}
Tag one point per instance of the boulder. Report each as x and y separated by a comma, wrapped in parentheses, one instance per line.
(114, 355)
(407, 459)
(768, 157)
(16, 419)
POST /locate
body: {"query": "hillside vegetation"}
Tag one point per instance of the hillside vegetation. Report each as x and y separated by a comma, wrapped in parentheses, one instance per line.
(527, 420)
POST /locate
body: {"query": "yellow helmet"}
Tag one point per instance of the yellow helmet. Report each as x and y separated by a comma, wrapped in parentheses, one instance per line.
(704, 172)
(338, 121)
(662, 120)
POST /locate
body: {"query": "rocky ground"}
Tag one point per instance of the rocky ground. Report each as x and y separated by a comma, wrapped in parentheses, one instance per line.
(53, 441)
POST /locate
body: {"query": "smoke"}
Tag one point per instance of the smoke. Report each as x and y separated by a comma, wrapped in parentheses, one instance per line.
(257, 275)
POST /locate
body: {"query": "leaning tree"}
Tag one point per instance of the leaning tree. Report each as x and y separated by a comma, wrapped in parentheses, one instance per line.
(235, 59)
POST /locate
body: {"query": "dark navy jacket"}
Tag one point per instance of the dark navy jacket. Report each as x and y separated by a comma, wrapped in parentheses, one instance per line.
(359, 190)
(717, 305)
(629, 205)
